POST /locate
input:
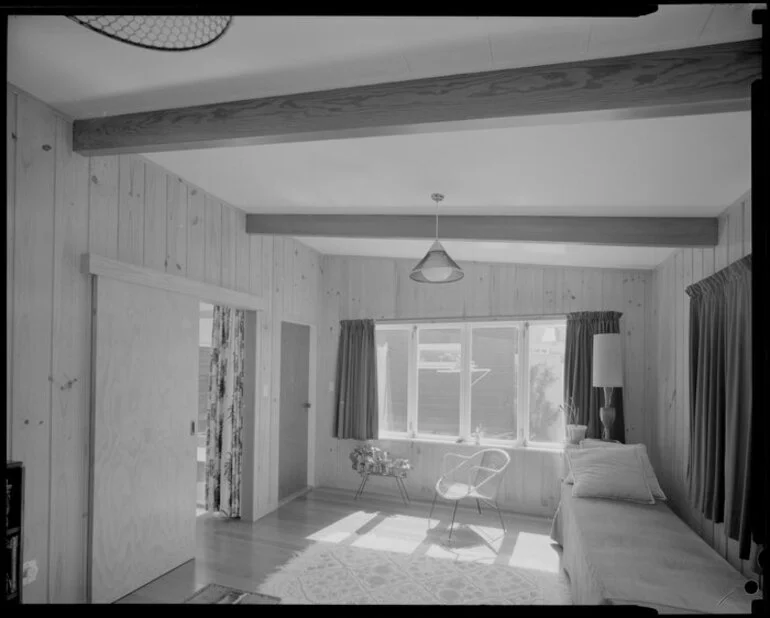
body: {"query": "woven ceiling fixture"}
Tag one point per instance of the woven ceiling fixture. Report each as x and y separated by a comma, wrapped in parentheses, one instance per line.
(162, 32)
(436, 266)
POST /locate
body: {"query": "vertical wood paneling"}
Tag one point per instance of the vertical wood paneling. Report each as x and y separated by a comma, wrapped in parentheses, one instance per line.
(176, 226)
(257, 264)
(228, 236)
(155, 217)
(71, 376)
(572, 293)
(10, 204)
(242, 254)
(502, 291)
(196, 235)
(213, 240)
(592, 290)
(131, 209)
(32, 317)
(280, 294)
(103, 206)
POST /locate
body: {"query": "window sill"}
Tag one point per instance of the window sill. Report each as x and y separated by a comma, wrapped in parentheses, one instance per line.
(537, 447)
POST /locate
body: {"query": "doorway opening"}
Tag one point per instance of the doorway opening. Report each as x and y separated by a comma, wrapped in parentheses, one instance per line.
(204, 368)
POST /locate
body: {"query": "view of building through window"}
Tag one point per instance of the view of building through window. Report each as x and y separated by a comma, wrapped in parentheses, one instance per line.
(466, 377)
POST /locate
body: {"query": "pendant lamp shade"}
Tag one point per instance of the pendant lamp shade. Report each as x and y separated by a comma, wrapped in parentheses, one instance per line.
(436, 266)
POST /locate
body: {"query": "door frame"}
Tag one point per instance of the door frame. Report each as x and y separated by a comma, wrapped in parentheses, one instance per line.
(95, 266)
(311, 398)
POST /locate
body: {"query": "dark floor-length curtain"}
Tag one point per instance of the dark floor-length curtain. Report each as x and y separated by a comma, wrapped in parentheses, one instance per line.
(224, 447)
(720, 399)
(578, 362)
(356, 405)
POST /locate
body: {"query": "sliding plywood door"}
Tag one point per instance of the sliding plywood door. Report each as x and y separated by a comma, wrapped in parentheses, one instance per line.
(145, 383)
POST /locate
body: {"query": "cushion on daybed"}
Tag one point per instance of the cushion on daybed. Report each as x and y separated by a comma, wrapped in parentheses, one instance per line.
(649, 472)
(615, 473)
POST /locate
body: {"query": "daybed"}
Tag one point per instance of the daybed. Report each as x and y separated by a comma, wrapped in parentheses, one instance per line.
(620, 553)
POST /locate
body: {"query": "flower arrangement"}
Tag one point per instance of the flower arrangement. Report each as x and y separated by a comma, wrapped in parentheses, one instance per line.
(373, 460)
(570, 411)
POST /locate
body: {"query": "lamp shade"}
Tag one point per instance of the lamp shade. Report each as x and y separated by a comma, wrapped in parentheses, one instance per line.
(607, 367)
(436, 267)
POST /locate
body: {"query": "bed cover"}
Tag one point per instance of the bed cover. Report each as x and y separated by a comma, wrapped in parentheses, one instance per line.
(618, 552)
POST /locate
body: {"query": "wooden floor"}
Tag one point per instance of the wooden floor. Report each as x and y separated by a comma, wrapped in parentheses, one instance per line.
(242, 554)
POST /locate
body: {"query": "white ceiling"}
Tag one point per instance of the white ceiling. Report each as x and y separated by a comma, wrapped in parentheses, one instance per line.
(681, 166)
(550, 254)
(85, 74)
(689, 166)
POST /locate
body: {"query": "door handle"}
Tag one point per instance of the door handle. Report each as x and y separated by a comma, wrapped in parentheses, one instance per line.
(306, 406)
(192, 428)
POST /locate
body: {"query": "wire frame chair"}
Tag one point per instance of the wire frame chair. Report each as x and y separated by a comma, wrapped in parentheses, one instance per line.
(476, 476)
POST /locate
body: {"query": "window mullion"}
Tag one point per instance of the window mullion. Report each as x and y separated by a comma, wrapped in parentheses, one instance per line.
(412, 382)
(465, 381)
(523, 398)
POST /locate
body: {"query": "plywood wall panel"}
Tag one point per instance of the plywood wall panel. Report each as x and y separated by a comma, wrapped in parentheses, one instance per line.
(70, 349)
(229, 252)
(212, 218)
(256, 263)
(155, 217)
(32, 317)
(196, 235)
(103, 206)
(176, 226)
(10, 205)
(131, 209)
(242, 254)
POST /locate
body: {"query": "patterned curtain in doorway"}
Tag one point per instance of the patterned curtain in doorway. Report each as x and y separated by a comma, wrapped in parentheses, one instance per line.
(224, 448)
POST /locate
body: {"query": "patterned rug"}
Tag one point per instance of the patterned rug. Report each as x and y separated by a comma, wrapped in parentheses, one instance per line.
(222, 595)
(329, 573)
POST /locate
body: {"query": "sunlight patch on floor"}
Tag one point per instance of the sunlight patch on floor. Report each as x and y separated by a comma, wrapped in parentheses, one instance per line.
(535, 551)
(343, 528)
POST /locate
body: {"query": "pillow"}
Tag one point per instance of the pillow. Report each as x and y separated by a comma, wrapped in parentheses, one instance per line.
(612, 473)
(649, 471)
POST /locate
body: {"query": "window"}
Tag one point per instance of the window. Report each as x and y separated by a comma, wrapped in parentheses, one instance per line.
(449, 380)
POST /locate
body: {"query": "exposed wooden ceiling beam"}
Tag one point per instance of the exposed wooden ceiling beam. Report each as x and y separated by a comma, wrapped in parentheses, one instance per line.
(694, 80)
(618, 231)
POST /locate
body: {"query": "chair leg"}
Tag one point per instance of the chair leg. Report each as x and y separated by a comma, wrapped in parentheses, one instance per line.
(363, 485)
(452, 525)
(478, 505)
(502, 523)
(403, 488)
(435, 495)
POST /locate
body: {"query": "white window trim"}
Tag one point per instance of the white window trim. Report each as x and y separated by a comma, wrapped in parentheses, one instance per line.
(466, 329)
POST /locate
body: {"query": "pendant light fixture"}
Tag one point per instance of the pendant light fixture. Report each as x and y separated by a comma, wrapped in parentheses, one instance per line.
(436, 266)
(162, 32)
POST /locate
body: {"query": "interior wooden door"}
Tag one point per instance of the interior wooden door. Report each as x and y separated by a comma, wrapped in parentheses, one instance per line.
(294, 409)
(145, 389)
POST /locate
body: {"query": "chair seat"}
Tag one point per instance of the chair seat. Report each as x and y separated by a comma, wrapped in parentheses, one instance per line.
(455, 491)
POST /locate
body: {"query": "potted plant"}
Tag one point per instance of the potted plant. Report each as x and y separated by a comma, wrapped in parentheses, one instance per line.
(574, 432)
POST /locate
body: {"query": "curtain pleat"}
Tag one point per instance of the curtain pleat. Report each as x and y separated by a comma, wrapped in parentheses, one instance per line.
(720, 459)
(356, 394)
(578, 361)
(224, 447)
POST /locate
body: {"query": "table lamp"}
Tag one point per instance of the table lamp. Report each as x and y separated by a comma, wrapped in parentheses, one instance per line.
(607, 373)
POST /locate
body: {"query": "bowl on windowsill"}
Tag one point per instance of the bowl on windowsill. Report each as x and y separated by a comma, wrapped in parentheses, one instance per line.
(575, 433)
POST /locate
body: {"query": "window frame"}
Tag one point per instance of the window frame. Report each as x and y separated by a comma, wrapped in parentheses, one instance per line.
(466, 328)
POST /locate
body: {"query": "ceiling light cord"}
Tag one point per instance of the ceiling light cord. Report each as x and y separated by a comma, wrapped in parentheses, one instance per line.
(437, 197)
